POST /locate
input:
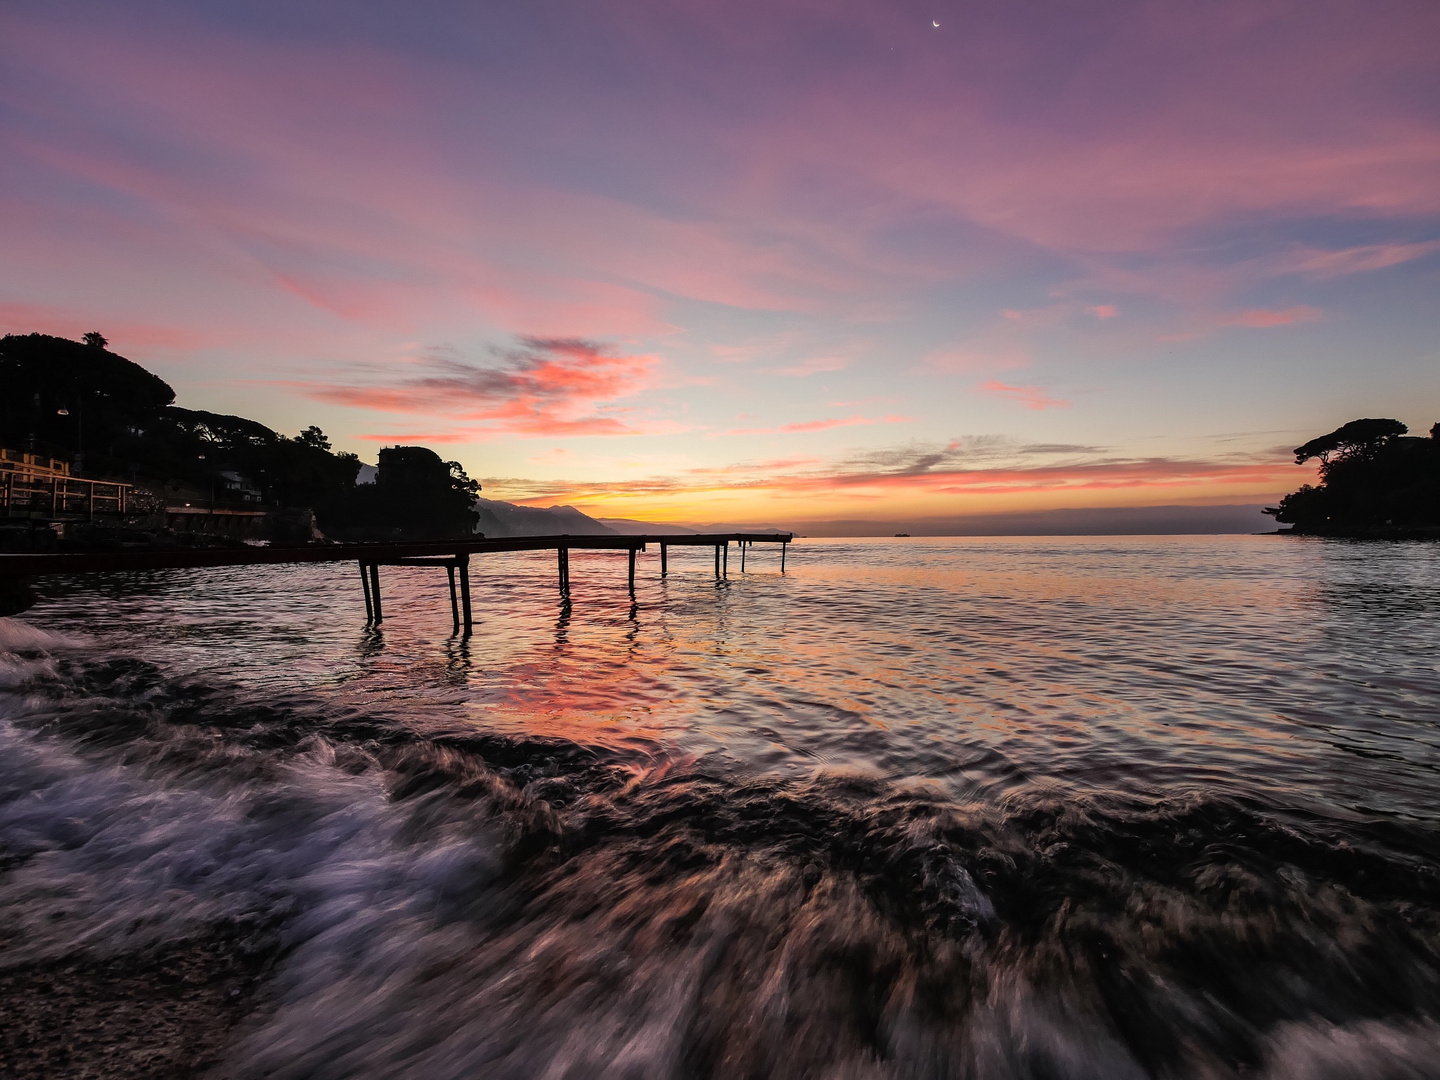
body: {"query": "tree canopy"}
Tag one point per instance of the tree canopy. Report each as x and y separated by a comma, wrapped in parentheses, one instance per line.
(1373, 479)
(61, 396)
(415, 493)
(1357, 439)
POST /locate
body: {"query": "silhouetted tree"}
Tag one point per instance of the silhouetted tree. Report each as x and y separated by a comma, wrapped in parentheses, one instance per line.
(95, 339)
(56, 394)
(1372, 478)
(50, 386)
(313, 436)
(415, 495)
(1357, 439)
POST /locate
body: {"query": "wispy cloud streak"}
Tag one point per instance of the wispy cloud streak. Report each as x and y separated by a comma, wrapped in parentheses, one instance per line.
(1032, 397)
(984, 466)
(554, 387)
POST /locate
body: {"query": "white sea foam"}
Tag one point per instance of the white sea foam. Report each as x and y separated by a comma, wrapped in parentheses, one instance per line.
(397, 965)
(16, 635)
(113, 858)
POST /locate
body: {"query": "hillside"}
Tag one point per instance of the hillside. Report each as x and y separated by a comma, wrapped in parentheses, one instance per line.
(502, 519)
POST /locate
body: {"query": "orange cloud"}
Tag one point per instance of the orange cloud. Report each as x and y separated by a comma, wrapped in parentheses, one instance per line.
(918, 478)
(1032, 397)
(547, 386)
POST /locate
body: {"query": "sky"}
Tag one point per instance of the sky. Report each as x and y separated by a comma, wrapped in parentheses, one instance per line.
(749, 262)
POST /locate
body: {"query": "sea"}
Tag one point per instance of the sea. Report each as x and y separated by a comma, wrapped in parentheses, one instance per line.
(1082, 807)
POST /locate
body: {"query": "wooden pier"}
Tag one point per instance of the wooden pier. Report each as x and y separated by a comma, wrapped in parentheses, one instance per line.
(453, 555)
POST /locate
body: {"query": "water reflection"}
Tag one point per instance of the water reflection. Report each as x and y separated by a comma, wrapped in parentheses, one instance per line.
(1081, 807)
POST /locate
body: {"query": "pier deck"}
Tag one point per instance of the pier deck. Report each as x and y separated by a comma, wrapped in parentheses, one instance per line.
(453, 555)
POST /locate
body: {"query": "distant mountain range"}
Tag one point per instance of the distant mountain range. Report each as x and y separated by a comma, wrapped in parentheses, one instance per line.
(502, 519)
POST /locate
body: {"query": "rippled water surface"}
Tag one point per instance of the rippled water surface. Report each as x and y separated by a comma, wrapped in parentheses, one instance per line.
(1074, 807)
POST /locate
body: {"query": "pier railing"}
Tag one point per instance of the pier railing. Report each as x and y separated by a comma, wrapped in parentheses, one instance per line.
(54, 495)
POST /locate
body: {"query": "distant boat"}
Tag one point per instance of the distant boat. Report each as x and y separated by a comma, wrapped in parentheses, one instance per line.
(902, 534)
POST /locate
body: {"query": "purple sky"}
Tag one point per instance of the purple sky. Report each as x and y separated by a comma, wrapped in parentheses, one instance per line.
(749, 261)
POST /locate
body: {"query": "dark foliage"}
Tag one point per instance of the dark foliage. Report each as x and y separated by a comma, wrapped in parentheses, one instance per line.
(1373, 478)
(61, 398)
(82, 403)
(285, 472)
(415, 494)
(1362, 439)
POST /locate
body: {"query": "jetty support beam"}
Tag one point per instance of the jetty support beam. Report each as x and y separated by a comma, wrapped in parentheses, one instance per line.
(365, 584)
(454, 604)
(375, 591)
(462, 563)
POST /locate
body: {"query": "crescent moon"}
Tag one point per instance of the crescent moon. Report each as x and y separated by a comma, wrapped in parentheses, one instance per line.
(934, 23)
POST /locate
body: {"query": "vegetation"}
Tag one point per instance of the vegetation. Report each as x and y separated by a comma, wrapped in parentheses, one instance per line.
(65, 398)
(1374, 480)
(112, 418)
(415, 494)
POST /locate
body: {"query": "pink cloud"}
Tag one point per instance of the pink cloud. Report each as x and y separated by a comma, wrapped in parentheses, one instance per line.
(820, 425)
(1354, 260)
(302, 192)
(1032, 397)
(1262, 318)
(545, 387)
(849, 421)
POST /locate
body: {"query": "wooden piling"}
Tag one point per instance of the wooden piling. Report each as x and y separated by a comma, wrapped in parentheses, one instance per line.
(725, 560)
(365, 584)
(462, 562)
(742, 556)
(717, 562)
(783, 546)
(454, 604)
(563, 568)
(664, 549)
(375, 591)
(632, 571)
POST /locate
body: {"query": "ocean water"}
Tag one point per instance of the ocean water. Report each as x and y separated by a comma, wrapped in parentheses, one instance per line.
(1041, 807)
